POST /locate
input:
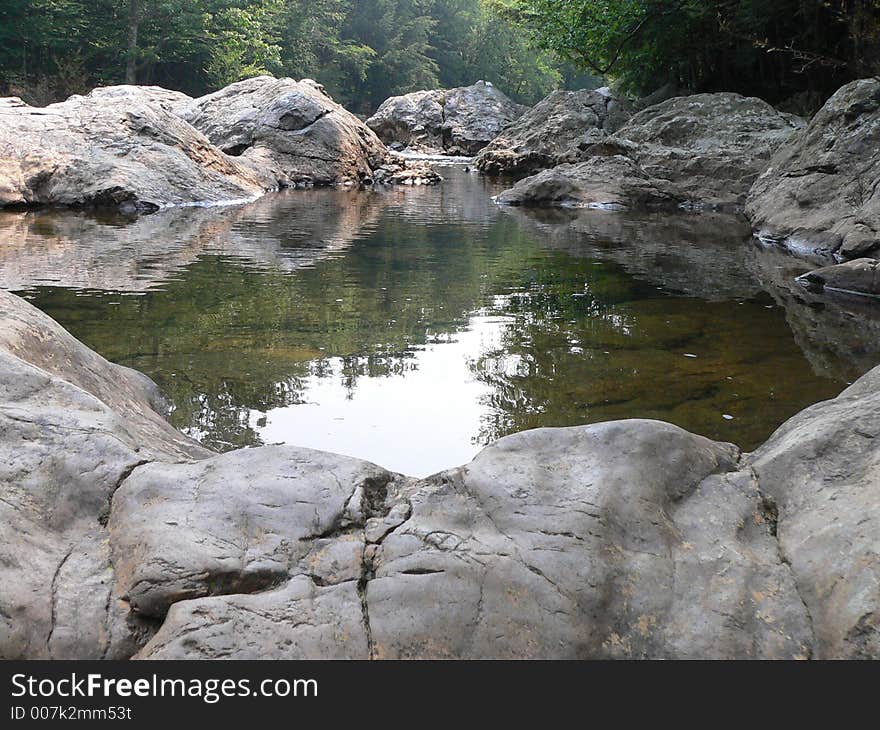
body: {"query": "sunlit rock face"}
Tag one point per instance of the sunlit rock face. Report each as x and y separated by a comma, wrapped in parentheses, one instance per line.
(290, 132)
(819, 194)
(628, 539)
(116, 147)
(701, 151)
(557, 130)
(139, 149)
(458, 121)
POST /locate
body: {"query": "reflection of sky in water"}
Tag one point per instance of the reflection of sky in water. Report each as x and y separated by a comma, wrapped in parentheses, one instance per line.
(411, 327)
(416, 423)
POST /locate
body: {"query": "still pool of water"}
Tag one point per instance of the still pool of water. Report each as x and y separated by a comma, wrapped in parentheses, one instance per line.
(411, 327)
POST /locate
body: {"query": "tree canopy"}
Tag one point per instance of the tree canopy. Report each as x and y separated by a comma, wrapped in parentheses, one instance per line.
(769, 48)
(362, 50)
(366, 50)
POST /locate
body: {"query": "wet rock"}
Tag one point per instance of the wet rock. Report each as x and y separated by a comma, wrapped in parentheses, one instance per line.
(291, 132)
(458, 121)
(118, 147)
(860, 277)
(701, 151)
(556, 131)
(819, 193)
(610, 183)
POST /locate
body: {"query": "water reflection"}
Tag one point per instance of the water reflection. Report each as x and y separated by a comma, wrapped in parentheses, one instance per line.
(411, 327)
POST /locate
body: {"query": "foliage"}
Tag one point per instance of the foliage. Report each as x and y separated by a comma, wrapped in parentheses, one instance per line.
(362, 50)
(770, 48)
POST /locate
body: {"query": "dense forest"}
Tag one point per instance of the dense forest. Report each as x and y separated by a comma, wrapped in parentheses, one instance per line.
(795, 51)
(362, 50)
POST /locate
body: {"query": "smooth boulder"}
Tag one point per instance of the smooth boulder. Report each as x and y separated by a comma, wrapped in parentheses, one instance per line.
(819, 192)
(557, 130)
(458, 121)
(119, 147)
(290, 131)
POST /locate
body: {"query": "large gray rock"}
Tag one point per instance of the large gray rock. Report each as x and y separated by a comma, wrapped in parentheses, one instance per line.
(457, 121)
(557, 130)
(72, 428)
(624, 539)
(292, 132)
(819, 193)
(607, 183)
(821, 473)
(701, 151)
(121, 147)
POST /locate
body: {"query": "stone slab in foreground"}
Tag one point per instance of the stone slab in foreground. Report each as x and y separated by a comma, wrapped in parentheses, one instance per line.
(631, 539)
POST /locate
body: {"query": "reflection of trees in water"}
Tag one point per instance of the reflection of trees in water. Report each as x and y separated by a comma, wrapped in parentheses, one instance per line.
(225, 338)
(585, 344)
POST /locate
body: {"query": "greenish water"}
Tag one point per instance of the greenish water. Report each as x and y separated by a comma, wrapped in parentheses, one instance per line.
(412, 327)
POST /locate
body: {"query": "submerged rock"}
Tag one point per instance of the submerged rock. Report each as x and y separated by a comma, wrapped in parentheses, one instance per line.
(625, 539)
(860, 277)
(820, 192)
(458, 121)
(556, 131)
(701, 151)
(292, 132)
(119, 147)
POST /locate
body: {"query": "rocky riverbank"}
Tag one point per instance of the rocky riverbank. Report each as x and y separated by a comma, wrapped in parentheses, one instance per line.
(809, 187)
(124, 539)
(141, 149)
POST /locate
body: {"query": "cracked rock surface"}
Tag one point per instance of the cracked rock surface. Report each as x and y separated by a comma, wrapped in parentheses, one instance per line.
(629, 539)
(819, 193)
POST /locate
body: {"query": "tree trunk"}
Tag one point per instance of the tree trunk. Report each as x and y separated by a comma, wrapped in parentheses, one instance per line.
(134, 21)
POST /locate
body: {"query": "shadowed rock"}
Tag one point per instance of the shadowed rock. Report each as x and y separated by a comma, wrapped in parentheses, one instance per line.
(701, 151)
(860, 277)
(819, 193)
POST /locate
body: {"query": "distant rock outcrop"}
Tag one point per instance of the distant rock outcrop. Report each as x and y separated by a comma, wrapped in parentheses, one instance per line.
(557, 130)
(701, 151)
(457, 121)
